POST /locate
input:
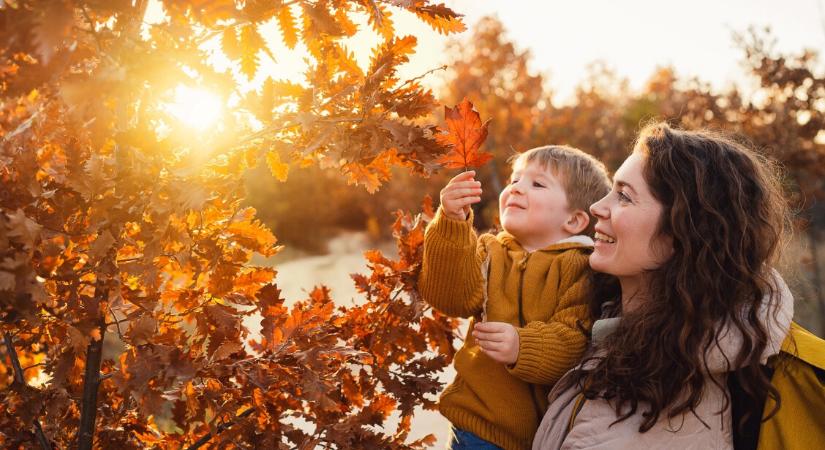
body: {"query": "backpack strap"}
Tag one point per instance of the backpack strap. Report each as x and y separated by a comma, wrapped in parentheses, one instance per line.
(806, 346)
(577, 407)
(744, 407)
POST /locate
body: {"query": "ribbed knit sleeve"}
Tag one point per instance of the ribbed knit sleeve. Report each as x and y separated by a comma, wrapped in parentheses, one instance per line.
(547, 350)
(450, 278)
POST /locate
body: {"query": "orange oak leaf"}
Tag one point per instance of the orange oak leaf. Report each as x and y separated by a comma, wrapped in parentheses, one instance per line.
(440, 18)
(465, 134)
(289, 31)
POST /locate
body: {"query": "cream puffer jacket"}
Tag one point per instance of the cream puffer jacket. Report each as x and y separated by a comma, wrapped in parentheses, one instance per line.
(593, 427)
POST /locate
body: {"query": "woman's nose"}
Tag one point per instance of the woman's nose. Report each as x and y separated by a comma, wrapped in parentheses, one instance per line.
(600, 209)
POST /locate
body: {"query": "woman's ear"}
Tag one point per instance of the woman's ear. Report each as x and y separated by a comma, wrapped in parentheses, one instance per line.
(577, 222)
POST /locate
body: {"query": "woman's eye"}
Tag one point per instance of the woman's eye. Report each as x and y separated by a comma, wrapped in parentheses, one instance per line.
(623, 198)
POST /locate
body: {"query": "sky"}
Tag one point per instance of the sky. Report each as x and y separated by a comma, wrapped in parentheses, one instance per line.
(635, 36)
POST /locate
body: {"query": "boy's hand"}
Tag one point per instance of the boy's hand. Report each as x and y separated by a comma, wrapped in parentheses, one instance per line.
(461, 192)
(498, 340)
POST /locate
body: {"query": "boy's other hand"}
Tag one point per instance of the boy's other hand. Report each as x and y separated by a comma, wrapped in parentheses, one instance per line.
(498, 340)
(461, 192)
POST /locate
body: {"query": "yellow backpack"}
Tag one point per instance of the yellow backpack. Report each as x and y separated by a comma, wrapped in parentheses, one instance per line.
(800, 380)
(798, 373)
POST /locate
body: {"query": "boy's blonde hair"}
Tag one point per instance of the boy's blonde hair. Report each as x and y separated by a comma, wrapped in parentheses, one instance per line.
(584, 178)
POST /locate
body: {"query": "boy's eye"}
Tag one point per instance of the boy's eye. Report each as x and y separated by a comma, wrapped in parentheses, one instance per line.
(537, 184)
(514, 181)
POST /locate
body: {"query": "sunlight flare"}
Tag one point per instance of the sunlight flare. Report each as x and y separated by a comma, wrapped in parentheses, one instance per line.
(197, 108)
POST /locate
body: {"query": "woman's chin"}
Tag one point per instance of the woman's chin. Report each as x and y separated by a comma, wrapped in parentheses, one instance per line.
(598, 263)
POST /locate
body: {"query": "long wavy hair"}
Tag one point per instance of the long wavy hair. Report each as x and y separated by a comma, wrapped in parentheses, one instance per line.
(724, 210)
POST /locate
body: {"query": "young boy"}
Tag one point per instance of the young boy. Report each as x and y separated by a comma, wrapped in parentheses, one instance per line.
(529, 283)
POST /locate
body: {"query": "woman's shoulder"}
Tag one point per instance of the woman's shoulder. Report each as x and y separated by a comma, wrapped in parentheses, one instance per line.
(775, 314)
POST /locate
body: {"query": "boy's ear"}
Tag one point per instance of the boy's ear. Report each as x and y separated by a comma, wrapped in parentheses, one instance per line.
(577, 222)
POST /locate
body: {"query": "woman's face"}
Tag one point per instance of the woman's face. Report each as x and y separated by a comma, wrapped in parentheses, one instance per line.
(627, 223)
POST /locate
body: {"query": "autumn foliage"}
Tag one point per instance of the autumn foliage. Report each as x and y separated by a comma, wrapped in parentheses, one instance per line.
(781, 115)
(126, 294)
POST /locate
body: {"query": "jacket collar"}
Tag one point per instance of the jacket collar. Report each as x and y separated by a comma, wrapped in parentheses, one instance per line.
(579, 240)
(603, 328)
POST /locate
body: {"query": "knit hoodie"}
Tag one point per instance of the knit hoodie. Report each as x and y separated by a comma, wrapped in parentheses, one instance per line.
(541, 293)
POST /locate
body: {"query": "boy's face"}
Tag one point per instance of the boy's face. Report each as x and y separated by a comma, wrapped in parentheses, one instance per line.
(533, 207)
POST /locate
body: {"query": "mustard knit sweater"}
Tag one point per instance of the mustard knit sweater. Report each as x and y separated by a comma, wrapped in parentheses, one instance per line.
(542, 294)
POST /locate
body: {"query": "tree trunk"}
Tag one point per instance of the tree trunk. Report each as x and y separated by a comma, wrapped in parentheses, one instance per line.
(91, 381)
(91, 377)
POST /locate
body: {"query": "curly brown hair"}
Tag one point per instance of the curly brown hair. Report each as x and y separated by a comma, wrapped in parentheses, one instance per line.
(724, 210)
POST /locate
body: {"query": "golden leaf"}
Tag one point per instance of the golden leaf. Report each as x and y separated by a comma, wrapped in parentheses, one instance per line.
(289, 31)
(251, 42)
(279, 169)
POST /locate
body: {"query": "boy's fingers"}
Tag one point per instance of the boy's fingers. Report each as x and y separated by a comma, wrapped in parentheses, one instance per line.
(468, 175)
(491, 327)
(490, 346)
(466, 201)
(462, 192)
(463, 184)
(484, 336)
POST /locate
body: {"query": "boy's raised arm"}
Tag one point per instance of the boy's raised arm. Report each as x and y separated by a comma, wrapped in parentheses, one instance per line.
(450, 277)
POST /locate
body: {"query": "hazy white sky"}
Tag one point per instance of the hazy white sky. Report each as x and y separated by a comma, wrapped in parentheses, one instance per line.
(632, 36)
(636, 36)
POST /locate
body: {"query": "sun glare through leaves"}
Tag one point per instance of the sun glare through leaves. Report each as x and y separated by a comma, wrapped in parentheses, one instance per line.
(196, 108)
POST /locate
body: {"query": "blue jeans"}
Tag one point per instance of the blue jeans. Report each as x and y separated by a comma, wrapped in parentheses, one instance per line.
(464, 440)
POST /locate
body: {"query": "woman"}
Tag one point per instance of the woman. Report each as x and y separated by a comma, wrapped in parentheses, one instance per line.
(688, 231)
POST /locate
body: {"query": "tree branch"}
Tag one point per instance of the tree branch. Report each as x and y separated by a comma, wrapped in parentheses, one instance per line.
(19, 378)
(205, 438)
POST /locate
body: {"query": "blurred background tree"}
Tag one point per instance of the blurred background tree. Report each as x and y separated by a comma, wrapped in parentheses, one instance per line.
(784, 117)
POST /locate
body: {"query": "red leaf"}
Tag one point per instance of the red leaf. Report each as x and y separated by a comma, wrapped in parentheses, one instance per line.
(465, 135)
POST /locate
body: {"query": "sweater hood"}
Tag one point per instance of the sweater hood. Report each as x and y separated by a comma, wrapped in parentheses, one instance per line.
(577, 241)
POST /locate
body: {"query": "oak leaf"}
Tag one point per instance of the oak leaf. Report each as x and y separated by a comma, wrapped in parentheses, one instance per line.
(279, 169)
(251, 41)
(289, 30)
(230, 44)
(26, 230)
(465, 135)
(441, 18)
(142, 330)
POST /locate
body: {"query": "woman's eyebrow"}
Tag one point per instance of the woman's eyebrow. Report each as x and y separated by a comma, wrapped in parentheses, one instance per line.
(625, 184)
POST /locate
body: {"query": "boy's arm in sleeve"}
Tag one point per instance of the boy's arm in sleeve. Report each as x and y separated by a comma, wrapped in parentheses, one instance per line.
(547, 350)
(450, 278)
